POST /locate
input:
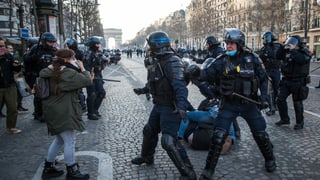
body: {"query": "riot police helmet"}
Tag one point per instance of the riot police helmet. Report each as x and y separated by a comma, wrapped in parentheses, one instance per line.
(192, 70)
(32, 41)
(71, 43)
(48, 36)
(236, 36)
(159, 42)
(92, 41)
(211, 41)
(300, 42)
(268, 37)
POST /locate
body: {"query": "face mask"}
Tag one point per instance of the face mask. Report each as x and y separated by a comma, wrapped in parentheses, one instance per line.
(231, 53)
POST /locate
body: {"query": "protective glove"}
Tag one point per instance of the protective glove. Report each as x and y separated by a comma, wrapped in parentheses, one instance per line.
(264, 105)
(138, 91)
(182, 113)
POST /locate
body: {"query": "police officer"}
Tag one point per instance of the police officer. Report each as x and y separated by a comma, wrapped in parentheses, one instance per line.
(73, 44)
(94, 62)
(169, 92)
(295, 77)
(238, 73)
(39, 57)
(213, 49)
(272, 66)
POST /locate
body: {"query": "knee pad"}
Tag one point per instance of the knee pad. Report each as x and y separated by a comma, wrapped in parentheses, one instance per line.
(260, 136)
(168, 142)
(219, 136)
(148, 131)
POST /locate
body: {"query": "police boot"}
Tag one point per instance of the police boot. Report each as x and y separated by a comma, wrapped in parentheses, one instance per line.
(266, 148)
(298, 106)
(183, 164)
(90, 106)
(150, 141)
(50, 171)
(217, 142)
(74, 173)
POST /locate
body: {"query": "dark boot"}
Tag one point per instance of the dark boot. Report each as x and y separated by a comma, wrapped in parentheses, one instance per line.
(74, 173)
(282, 122)
(266, 148)
(140, 160)
(217, 142)
(298, 109)
(50, 171)
(92, 117)
(149, 143)
(179, 158)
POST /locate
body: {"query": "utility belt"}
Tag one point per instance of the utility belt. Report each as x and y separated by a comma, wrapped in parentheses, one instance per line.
(305, 80)
(162, 101)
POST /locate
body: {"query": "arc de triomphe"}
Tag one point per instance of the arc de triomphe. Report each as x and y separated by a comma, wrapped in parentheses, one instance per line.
(113, 33)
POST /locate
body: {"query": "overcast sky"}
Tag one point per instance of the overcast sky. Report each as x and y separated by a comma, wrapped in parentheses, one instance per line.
(132, 15)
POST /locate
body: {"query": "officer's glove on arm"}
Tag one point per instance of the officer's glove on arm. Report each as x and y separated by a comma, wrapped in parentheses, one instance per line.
(182, 113)
(264, 105)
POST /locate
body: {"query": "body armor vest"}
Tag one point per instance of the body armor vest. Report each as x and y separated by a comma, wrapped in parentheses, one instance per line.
(239, 77)
(160, 86)
(291, 69)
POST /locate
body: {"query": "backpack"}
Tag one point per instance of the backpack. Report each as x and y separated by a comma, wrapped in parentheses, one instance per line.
(42, 88)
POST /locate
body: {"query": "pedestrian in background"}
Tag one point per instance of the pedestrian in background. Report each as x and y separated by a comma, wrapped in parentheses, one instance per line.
(62, 111)
(19, 74)
(295, 77)
(271, 63)
(169, 93)
(238, 73)
(8, 88)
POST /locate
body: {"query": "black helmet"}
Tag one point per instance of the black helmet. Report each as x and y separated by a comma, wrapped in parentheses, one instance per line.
(32, 41)
(92, 41)
(236, 36)
(48, 36)
(299, 39)
(158, 42)
(211, 41)
(294, 40)
(192, 70)
(71, 43)
(268, 37)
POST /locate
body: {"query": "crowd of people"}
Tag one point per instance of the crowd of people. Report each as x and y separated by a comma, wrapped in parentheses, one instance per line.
(234, 81)
(68, 71)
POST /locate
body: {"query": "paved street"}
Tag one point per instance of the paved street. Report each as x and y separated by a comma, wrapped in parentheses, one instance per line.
(105, 149)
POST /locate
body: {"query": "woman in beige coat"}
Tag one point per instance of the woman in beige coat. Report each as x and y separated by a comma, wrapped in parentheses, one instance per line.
(62, 111)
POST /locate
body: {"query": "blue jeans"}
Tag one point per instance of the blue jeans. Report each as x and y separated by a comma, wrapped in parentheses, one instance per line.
(67, 140)
(203, 116)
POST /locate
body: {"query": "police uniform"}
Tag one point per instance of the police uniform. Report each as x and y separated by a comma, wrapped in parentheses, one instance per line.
(168, 89)
(238, 77)
(39, 57)
(295, 77)
(272, 66)
(95, 62)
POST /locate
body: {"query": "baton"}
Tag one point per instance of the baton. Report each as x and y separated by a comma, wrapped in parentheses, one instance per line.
(112, 80)
(246, 98)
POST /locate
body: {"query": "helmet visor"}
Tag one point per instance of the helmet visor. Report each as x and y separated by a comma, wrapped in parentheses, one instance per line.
(291, 41)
